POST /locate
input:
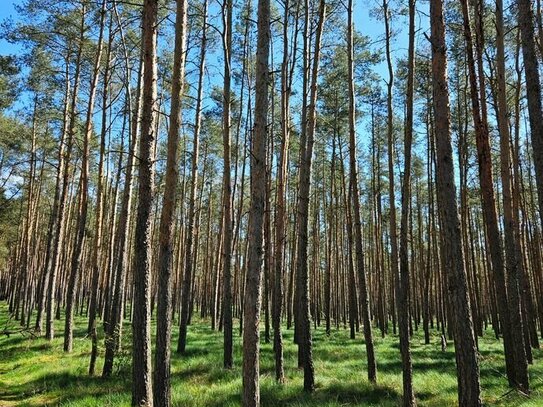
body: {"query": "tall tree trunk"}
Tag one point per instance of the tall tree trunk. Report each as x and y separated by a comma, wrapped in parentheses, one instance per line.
(161, 374)
(49, 258)
(353, 181)
(142, 393)
(469, 392)
(227, 187)
(251, 303)
(60, 228)
(510, 318)
(403, 281)
(331, 226)
(83, 198)
(281, 212)
(533, 91)
(25, 244)
(390, 145)
(100, 206)
(191, 231)
(308, 127)
(122, 238)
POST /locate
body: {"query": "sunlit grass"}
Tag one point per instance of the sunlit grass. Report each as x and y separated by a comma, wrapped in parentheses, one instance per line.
(34, 372)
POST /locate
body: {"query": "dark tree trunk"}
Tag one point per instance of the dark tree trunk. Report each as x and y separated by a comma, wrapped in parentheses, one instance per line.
(142, 393)
(533, 91)
(510, 318)
(227, 189)
(469, 392)
(403, 281)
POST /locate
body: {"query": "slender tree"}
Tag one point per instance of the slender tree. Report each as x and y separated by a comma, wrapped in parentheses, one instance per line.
(191, 231)
(83, 196)
(161, 374)
(100, 203)
(64, 173)
(403, 285)
(302, 276)
(393, 233)
(533, 91)
(353, 182)
(114, 315)
(469, 392)
(251, 302)
(227, 187)
(510, 318)
(281, 210)
(142, 392)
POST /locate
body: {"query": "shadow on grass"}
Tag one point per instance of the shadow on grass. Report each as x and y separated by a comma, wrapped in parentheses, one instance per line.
(70, 386)
(337, 393)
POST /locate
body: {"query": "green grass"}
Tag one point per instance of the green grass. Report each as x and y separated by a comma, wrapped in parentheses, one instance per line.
(34, 372)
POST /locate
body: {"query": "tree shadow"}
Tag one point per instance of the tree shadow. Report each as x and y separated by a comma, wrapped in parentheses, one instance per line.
(69, 386)
(362, 393)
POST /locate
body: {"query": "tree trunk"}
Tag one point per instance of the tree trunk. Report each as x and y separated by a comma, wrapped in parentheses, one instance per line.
(533, 91)
(303, 314)
(227, 188)
(142, 393)
(60, 228)
(390, 145)
(515, 358)
(469, 393)
(403, 281)
(122, 238)
(281, 212)
(83, 198)
(51, 232)
(357, 224)
(100, 206)
(251, 303)
(161, 374)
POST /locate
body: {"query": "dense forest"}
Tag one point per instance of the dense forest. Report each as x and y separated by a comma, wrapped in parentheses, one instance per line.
(287, 202)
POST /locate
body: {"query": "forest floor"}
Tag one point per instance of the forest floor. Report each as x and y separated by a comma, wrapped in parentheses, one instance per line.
(34, 372)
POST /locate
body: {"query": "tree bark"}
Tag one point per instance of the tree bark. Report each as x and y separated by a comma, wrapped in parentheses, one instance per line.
(510, 318)
(60, 228)
(281, 210)
(469, 393)
(403, 285)
(83, 196)
(357, 224)
(533, 91)
(100, 204)
(227, 188)
(252, 300)
(393, 234)
(161, 375)
(142, 393)
(303, 314)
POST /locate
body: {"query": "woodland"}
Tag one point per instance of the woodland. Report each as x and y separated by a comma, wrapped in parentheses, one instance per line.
(271, 203)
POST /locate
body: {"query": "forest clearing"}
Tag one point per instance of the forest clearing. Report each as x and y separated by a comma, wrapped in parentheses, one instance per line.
(271, 202)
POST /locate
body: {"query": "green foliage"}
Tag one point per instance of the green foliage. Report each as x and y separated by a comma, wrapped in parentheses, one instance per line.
(9, 214)
(9, 70)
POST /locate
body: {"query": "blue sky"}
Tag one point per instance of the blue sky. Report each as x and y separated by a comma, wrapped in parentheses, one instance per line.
(7, 10)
